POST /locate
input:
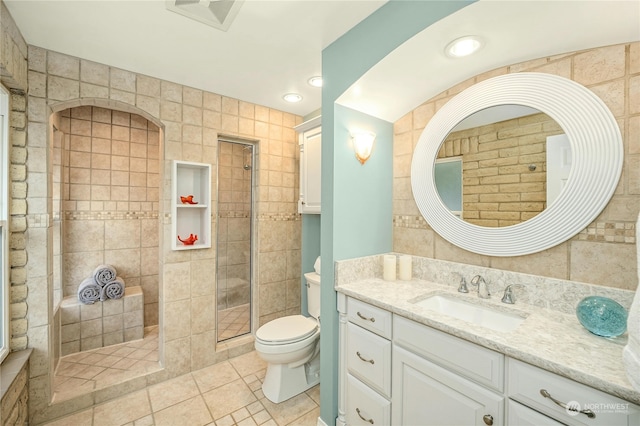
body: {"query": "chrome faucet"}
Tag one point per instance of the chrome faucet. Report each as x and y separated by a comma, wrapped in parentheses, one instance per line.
(483, 288)
(463, 285)
(508, 296)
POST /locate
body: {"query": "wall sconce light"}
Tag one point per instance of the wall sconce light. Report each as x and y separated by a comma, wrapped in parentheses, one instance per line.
(363, 145)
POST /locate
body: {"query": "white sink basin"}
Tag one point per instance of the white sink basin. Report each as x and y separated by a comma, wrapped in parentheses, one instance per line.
(475, 314)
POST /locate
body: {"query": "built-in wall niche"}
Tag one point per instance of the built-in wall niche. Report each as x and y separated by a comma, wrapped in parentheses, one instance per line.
(191, 205)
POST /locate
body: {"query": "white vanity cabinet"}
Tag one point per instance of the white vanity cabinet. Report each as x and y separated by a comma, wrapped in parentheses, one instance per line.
(397, 371)
(366, 354)
(310, 143)
(442, 380)
(527, 384)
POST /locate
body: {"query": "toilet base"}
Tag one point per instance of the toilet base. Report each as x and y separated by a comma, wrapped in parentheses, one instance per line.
(281, 382)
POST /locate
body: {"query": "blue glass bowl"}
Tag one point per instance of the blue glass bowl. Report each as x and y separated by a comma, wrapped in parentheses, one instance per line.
(602, 316)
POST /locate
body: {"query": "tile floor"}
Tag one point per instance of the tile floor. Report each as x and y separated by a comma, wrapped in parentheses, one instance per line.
(84, 372)
(225, 394)
(234, 322)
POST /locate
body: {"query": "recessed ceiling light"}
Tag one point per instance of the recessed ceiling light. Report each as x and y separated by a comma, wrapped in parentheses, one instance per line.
(463, 46)
(292, 97)
(316, 81)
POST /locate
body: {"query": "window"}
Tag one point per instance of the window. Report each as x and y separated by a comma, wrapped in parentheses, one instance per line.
(4, 228)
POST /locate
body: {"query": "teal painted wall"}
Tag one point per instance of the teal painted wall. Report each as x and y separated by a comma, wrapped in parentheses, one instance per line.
(310, 251)
(362, 192)
(348, 189)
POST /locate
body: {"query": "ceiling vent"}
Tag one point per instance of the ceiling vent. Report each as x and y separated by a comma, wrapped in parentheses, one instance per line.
(216, 13)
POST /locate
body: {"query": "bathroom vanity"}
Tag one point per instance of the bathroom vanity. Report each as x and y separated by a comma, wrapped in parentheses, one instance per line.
(404, 363)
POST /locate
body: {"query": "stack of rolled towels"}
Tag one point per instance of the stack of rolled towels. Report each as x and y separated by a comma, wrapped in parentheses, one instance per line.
(103, 284)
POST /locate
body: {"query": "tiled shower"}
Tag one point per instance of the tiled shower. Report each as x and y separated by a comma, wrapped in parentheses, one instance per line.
(234, 237)
(106, 202)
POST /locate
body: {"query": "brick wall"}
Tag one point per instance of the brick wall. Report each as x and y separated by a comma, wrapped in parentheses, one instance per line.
(498, 187)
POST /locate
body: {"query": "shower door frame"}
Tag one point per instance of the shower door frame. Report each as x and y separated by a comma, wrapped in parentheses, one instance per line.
(253, 273)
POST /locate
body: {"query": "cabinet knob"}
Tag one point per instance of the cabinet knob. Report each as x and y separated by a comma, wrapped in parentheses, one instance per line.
(488, 419)
(366, 420)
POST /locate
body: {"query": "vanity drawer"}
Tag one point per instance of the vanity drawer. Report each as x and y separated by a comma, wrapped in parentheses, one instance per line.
(524, 383)
(468, 359)
(521, 415)
(370, 317)
(369, 358)
(365, 406)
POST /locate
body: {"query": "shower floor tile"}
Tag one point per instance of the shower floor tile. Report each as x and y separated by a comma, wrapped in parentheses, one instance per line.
(227, 393)
(84, 372)
(234, 322)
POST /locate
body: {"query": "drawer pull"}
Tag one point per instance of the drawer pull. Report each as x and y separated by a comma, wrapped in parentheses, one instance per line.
(364, 359)
(372, 319)
(488, 419)
(366, 420)
(571, 407)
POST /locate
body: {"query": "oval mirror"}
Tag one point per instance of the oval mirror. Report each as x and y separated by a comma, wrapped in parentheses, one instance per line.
(502, 165)
(596, 152)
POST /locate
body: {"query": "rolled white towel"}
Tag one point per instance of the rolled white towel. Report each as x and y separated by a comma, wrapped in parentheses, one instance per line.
(113, 290)
(104, 274)
(89, 291)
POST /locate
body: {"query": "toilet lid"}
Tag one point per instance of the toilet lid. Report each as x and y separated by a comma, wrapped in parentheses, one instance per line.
(287, 329)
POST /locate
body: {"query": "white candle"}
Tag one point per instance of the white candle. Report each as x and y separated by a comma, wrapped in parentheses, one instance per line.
(405, 267)
(389, 267)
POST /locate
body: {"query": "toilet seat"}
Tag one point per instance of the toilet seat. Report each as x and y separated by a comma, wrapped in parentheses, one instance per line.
(286, 330)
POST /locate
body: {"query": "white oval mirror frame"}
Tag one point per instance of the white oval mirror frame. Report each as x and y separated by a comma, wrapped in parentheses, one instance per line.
(596, 146)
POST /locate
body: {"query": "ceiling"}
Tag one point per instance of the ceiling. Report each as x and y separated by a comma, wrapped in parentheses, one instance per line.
(513, 31)
(273, 47)
(270, 48)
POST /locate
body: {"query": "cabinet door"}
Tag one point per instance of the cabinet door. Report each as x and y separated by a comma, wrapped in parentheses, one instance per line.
(426, 394)
(310, 171)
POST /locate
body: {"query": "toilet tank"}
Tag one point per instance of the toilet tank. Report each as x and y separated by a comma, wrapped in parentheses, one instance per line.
(313, 293)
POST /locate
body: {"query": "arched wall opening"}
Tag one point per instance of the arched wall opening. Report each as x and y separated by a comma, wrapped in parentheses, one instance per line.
(105, 184)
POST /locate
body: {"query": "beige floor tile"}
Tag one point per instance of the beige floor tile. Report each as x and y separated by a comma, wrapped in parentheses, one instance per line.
(214, 376)
(145, 421)
(122, 410)
(90, 372)
(255, 407)
(262, 417)
(248, 363)
(228, 398)
(314, 393)
(172, 392)
(240, 414)
(309, 419)
(83, 418)
(225, 421)
(193, 412)
(247, 422)
(291, 409)
(70, 369)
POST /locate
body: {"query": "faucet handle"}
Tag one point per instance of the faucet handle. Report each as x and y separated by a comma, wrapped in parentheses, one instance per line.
(463, 285)
(508, 296)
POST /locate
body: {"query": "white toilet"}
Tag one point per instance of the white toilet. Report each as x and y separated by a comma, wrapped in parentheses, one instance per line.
(291, 347)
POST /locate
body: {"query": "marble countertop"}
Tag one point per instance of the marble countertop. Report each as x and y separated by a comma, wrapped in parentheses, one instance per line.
(549, 339)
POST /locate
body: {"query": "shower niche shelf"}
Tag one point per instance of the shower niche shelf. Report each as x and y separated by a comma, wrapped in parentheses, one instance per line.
(190, 205)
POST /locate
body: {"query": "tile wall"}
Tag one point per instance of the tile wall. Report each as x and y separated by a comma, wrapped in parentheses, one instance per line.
(189, 122)
(605, 252)
(110, 183)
